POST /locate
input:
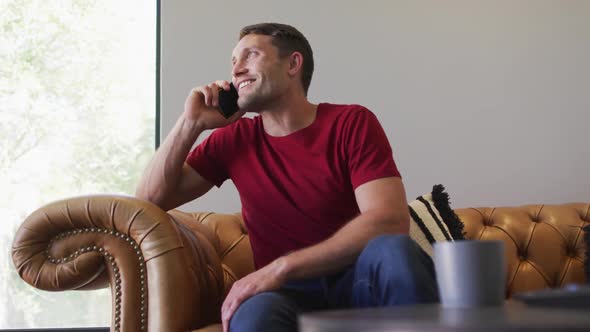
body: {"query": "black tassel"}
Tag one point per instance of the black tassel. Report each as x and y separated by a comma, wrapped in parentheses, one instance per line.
(442, 204)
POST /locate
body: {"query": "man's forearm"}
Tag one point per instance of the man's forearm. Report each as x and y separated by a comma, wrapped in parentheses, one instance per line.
(343, 248)
(164, 171)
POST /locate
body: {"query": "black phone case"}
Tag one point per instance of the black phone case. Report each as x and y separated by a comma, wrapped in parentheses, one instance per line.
(228, 101)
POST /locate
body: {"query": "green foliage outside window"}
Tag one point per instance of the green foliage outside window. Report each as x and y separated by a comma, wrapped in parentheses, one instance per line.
(77, 114)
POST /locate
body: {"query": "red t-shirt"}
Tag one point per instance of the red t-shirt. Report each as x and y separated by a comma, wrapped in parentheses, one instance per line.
(297, 190)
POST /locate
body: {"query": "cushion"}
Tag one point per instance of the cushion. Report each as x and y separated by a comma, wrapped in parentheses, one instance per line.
(433, 220)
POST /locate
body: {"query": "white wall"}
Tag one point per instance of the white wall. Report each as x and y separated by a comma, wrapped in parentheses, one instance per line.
(490, 98)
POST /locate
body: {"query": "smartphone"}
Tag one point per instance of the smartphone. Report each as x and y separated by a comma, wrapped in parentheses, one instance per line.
(228, 101)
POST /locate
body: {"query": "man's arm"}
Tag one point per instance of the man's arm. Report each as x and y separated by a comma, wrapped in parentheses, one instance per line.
(168, 181)
(383, 210)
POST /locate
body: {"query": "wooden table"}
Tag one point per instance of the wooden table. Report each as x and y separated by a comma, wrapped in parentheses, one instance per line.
(512, 316)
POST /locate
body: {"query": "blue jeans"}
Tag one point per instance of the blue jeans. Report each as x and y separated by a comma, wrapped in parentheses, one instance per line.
(391, 270)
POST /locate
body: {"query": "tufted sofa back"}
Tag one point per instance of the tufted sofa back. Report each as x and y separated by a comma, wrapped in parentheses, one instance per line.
(544, 243)
(227, 233)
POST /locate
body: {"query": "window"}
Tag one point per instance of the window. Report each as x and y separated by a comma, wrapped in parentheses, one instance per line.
(77, 115)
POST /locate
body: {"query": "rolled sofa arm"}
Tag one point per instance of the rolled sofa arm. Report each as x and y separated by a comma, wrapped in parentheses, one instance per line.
(163, 275)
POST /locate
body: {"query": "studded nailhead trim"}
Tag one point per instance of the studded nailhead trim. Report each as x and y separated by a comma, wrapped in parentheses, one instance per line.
(115, 268)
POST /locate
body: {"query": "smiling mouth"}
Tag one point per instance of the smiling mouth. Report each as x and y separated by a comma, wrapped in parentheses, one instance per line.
(245, 84)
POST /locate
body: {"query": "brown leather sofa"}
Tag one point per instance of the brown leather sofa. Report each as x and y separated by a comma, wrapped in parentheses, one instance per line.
(170, 271)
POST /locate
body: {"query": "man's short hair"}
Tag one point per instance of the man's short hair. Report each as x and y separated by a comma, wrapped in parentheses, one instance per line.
(288, 40)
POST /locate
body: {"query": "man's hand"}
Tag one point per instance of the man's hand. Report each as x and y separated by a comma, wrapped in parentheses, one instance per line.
(202, 104)
(270, 277)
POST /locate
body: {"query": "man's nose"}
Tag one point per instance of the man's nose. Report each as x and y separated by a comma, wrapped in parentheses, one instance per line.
(238, 69)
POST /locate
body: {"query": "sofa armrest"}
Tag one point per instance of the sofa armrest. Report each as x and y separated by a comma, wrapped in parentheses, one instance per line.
(163, 275)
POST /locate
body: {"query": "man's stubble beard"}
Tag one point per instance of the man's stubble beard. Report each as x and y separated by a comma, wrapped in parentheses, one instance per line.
(256, 102)
(249, 104)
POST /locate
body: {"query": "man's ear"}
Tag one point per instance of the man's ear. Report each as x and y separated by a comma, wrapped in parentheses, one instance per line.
(295, 63)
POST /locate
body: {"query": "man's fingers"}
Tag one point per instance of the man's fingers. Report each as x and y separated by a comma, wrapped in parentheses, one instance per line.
(227, 309)
(224, 320)
(225, 325)
(206, 92)
(231, 304)
(222, 84)
(211, 92)
(215, 87)
(197, 91)
(239, 292)
(228, 314)
(214, 91)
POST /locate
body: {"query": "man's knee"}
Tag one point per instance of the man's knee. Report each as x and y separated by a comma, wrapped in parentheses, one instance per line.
(395, 240)
(396, 265)
(269, 311)
(396, 248)
(395, 257)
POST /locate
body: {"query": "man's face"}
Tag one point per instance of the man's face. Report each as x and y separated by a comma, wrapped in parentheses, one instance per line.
(258, 72)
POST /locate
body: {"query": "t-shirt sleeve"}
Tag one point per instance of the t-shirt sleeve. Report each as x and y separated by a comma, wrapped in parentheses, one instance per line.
(369, 153)
(208, 160)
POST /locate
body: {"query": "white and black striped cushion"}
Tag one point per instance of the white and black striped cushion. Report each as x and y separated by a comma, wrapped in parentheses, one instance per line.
(432, 220)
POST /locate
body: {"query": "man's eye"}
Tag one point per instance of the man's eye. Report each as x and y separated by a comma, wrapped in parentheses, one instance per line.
(250, 54)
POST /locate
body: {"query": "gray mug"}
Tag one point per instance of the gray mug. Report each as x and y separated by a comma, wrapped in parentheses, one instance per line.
(470, 273)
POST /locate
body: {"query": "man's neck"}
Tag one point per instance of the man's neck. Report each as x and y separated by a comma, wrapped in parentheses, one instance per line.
(289, 115)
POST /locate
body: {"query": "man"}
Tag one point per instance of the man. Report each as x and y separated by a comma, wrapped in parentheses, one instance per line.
(321, 196)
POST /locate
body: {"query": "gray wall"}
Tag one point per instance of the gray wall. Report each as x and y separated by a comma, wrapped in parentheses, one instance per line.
(489, 98)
